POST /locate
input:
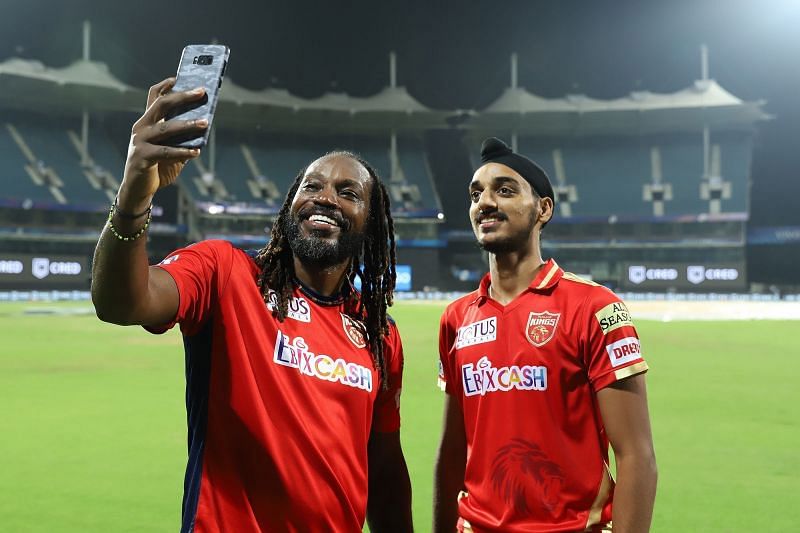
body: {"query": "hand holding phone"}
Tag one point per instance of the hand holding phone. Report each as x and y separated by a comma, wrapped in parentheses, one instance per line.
(201, 65)
(174, 126)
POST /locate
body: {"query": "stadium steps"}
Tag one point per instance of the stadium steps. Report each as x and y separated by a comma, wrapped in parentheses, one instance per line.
(204, 185)
(108, 155)
(233, 171)
(99, 178)
(28, 177)
(418, 174)
(260, 186)
(62, 160)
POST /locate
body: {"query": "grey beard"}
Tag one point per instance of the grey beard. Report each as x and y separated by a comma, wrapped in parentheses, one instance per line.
(320, 252)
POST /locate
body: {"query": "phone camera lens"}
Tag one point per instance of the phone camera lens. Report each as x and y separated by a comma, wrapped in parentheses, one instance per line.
(203, 60)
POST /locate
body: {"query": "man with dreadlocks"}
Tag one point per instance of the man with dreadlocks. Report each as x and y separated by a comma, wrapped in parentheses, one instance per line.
(293, 377)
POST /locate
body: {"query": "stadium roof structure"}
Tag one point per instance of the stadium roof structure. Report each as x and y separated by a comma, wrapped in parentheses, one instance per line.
(83, 85)
(391, 108)
(703, 104)
(89, 85)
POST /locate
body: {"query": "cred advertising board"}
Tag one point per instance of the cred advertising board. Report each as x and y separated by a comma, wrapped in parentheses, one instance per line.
(684, 276)
(34, 272)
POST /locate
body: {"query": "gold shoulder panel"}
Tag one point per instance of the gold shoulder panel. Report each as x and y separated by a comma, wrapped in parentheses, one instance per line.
(572, 277)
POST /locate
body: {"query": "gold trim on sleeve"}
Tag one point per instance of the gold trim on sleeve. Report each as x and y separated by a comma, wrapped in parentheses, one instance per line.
(628, 371)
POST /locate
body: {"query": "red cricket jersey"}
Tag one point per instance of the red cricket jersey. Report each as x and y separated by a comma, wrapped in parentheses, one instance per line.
(526, 376)
(279, 414)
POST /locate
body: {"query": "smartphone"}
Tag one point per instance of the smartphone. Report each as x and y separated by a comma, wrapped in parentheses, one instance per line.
(201, 65)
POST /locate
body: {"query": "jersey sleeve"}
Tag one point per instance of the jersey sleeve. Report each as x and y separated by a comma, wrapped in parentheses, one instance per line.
(386, 415)
(446, 340)
(612, 351)
(199, 271)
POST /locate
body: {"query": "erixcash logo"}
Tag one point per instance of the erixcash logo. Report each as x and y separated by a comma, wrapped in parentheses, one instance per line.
(295, 353)
(483, 378)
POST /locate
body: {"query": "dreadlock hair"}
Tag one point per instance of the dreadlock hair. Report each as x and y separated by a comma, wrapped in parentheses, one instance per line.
(374, 264)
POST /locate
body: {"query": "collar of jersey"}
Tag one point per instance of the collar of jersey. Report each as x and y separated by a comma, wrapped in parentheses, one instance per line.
(321, 299)
(546, 279)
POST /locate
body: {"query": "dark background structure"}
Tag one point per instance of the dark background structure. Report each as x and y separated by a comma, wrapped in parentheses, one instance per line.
(454, 55)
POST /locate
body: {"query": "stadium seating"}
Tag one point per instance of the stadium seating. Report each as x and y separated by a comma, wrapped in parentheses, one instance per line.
(52, 146)
(601, 177)
(610, 175)
(45, 161)
(19, 184)
(261, 171)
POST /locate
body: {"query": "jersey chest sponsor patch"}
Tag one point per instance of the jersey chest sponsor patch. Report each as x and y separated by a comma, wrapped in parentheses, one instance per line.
(295, 353)
(477, 333)
(541, 327)
(483, 377)
(298, 308)
(624, 351)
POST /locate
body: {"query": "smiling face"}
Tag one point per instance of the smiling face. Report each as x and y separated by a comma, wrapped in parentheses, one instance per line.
(505, 211)
(328, 214)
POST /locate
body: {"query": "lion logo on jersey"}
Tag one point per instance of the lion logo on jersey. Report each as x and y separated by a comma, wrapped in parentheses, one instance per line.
(541, 327)
(523, 475)
(355, 331)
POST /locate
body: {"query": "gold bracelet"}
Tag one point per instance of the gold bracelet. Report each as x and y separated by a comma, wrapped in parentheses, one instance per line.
(136, 235)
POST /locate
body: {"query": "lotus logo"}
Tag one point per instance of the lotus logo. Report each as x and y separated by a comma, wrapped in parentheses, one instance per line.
(40, 267)
(637, 273)
(696, 274)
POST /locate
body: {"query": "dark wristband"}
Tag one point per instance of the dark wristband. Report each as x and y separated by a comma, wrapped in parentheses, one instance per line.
(130, 216)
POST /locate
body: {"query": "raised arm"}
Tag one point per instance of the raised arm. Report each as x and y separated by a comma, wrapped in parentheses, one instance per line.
(450, 467)
(623, 406)
(125, 289)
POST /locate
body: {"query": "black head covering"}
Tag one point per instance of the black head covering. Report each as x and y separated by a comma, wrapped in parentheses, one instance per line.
(494, 150)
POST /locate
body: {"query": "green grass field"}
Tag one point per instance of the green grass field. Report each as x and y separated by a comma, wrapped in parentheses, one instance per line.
(92, 430)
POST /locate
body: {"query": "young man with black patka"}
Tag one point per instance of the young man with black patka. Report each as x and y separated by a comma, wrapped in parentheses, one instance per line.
(542, 370)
